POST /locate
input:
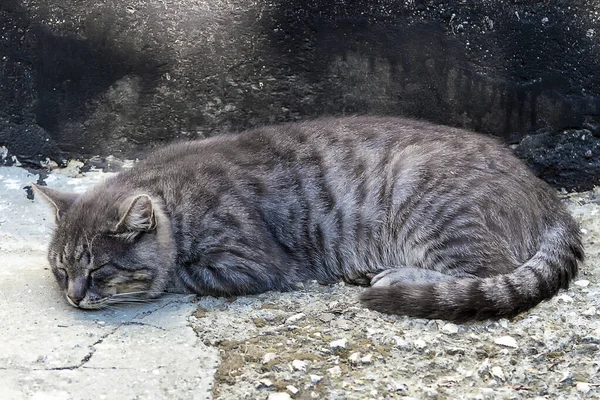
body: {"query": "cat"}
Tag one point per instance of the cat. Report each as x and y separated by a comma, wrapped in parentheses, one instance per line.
(442, 222)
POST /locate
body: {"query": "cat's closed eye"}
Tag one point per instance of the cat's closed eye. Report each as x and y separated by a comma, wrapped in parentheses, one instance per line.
(102, 272)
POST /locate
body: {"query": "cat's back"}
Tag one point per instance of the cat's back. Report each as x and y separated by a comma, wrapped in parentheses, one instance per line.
(342, 152)
(358, 135)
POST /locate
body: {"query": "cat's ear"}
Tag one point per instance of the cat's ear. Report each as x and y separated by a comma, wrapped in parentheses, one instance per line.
(60, 200)
(137, 214)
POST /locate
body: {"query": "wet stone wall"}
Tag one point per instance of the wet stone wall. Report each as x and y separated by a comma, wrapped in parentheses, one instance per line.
(89, 79)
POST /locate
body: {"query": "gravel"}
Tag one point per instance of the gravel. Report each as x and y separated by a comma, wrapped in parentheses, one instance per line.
(318, 342)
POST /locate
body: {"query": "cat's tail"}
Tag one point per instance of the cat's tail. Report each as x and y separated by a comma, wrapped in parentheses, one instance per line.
(501, 296)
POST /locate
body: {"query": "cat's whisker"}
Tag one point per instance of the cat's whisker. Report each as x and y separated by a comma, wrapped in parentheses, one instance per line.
(124, 298)
(108, 307)
(132, 299)
(136, 293)
(121, 304)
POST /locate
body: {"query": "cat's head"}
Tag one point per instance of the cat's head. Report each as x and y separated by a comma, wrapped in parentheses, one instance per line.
(109, 246)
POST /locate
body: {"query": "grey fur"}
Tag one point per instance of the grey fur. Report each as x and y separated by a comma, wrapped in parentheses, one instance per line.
(330, 199)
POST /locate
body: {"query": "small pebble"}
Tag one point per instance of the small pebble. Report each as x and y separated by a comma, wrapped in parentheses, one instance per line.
(295, 318)
(420, 344)
(401, 343)
(315, 378)
(292, 389)
(367, 359)
(299, 365)
(268, 357)
(339, 344)
(354, 358)
(326, 317)
(590, 311)
(582, 283)
(565, 297)
(566, 375)
(492, 383)
(279, 396)
(397, 387)
(583, 387)
(498, 373)
(335, 371)
(341, 324)
(431, 392)
(450, 329)
(507, 341)
(265, 383)
(376, 331)
(101, 323)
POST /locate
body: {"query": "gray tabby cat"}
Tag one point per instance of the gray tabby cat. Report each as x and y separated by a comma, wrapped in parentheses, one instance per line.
(443, 223)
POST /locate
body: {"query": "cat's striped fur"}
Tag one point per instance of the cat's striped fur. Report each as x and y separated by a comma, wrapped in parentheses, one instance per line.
(449, 223)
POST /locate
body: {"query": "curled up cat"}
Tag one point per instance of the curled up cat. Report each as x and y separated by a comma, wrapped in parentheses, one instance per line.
(440, 222)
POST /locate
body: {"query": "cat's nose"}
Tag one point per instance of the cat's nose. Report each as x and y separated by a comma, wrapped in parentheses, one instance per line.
(76, 289)
(75, 299)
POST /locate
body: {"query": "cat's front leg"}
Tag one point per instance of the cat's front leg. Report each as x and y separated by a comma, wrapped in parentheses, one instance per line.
(362, 279)
(229, 272)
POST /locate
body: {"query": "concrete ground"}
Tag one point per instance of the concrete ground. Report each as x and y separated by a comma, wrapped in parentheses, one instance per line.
(50, 350)
(313, 343)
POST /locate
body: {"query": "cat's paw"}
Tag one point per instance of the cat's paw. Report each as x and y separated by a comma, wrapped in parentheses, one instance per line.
(397, 276)
(364, 280)
(385, 278)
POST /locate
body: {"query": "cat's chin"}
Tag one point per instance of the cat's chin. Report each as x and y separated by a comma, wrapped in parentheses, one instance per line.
(89, 305)
(108, 301)
(98, 306)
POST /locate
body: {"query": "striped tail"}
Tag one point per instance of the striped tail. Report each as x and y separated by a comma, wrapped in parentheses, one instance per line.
(501, 296)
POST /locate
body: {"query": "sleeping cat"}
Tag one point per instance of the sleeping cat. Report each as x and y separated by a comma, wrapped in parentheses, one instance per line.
(442, 222)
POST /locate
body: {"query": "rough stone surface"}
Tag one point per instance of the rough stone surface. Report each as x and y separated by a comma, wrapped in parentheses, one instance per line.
(246, 348)
(119, 77)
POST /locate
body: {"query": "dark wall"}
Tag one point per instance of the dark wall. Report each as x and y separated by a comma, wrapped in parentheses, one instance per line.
(84, 78)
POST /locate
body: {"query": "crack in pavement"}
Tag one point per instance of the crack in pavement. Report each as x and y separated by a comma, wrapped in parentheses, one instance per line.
(92, 347)
(136, 320)
(137, 323)
(88, 356)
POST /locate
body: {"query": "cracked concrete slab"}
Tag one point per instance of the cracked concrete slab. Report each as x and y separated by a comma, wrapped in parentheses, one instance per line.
(49, 350)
